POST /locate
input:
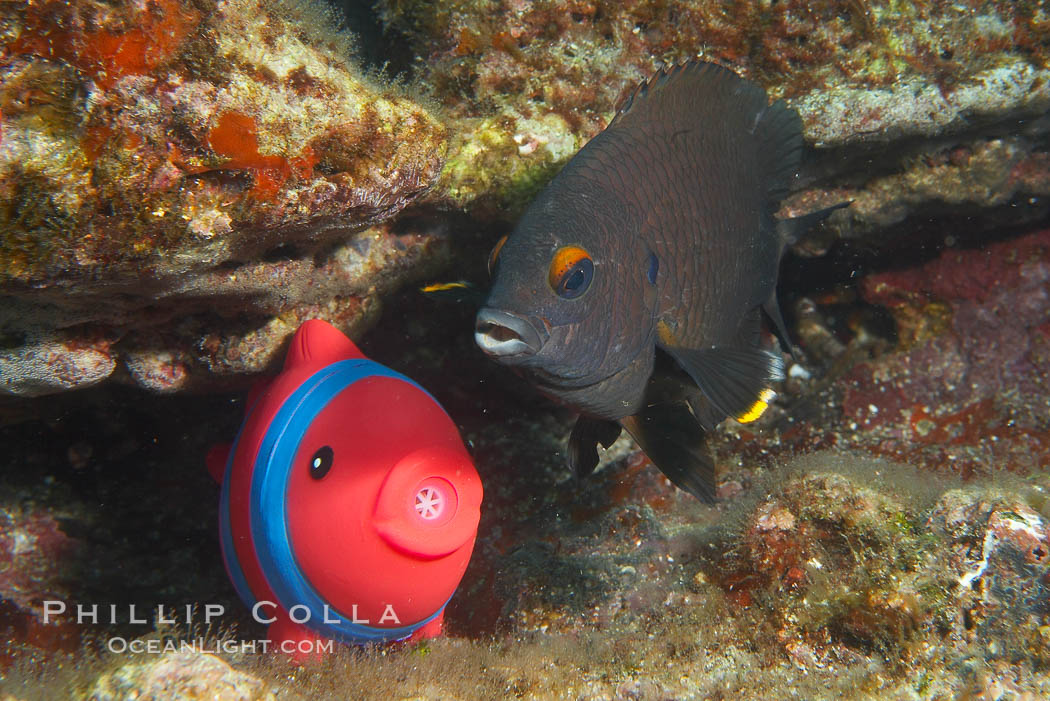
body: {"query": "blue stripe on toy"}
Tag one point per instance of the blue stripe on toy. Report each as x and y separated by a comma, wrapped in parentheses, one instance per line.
(269, 518)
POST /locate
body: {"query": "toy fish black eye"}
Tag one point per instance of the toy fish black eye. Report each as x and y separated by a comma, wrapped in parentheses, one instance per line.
(570, 272)
(494, 256)
(321, 462)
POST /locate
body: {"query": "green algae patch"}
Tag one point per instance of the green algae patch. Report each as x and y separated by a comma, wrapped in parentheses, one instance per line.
(504, 161)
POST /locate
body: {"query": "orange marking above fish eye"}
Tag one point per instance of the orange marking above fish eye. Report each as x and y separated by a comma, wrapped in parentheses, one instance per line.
(570, 272)
(494, 256)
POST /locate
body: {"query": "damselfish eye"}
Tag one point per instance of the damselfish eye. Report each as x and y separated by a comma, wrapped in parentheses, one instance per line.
(570, 272)
(321, 462)
(494, 256)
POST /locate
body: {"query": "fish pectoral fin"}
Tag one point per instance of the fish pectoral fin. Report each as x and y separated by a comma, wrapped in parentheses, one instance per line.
(737, 381)
(674, 441)
(584, 440)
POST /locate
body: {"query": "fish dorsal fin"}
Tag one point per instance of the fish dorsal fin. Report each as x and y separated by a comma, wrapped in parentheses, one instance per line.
(317, 343)
(697, 94)
(737, 381)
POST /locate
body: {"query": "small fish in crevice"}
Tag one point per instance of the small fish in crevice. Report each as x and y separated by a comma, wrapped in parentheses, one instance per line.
(817, 338)
(457, 291)
(635, 285)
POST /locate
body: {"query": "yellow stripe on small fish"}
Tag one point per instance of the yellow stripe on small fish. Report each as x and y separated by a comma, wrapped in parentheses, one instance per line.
(758, 408)
(443, 286)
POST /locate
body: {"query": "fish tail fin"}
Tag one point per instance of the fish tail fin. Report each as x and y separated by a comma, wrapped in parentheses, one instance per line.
(671, 437)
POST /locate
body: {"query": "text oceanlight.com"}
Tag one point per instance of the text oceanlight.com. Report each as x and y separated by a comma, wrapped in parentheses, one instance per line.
(156, 646)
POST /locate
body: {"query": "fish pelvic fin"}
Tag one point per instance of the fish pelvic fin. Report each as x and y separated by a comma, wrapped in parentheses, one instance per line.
(671, 437)
(738, 382)
(583, 443)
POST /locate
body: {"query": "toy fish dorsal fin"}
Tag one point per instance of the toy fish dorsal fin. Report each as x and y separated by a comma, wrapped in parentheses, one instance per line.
(317, 343)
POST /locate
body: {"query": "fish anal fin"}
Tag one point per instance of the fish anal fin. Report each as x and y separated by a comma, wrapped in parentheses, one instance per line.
(673, 440)
(583, 443)
(738, 382)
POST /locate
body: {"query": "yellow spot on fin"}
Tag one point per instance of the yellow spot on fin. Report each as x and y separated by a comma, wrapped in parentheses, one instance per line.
(758, 408)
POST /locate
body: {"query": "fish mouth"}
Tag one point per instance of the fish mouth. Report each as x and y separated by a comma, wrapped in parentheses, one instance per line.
(505, 335)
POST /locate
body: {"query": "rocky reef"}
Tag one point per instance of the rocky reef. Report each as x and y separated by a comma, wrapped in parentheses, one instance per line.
(914, 107)
(185, 183)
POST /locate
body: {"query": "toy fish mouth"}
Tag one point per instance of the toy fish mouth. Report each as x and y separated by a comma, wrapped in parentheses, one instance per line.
(505, 335)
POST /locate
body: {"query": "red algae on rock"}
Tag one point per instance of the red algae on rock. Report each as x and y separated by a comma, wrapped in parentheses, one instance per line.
(962, 388)
(106, 42)
(972, 391)
(36, 558)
